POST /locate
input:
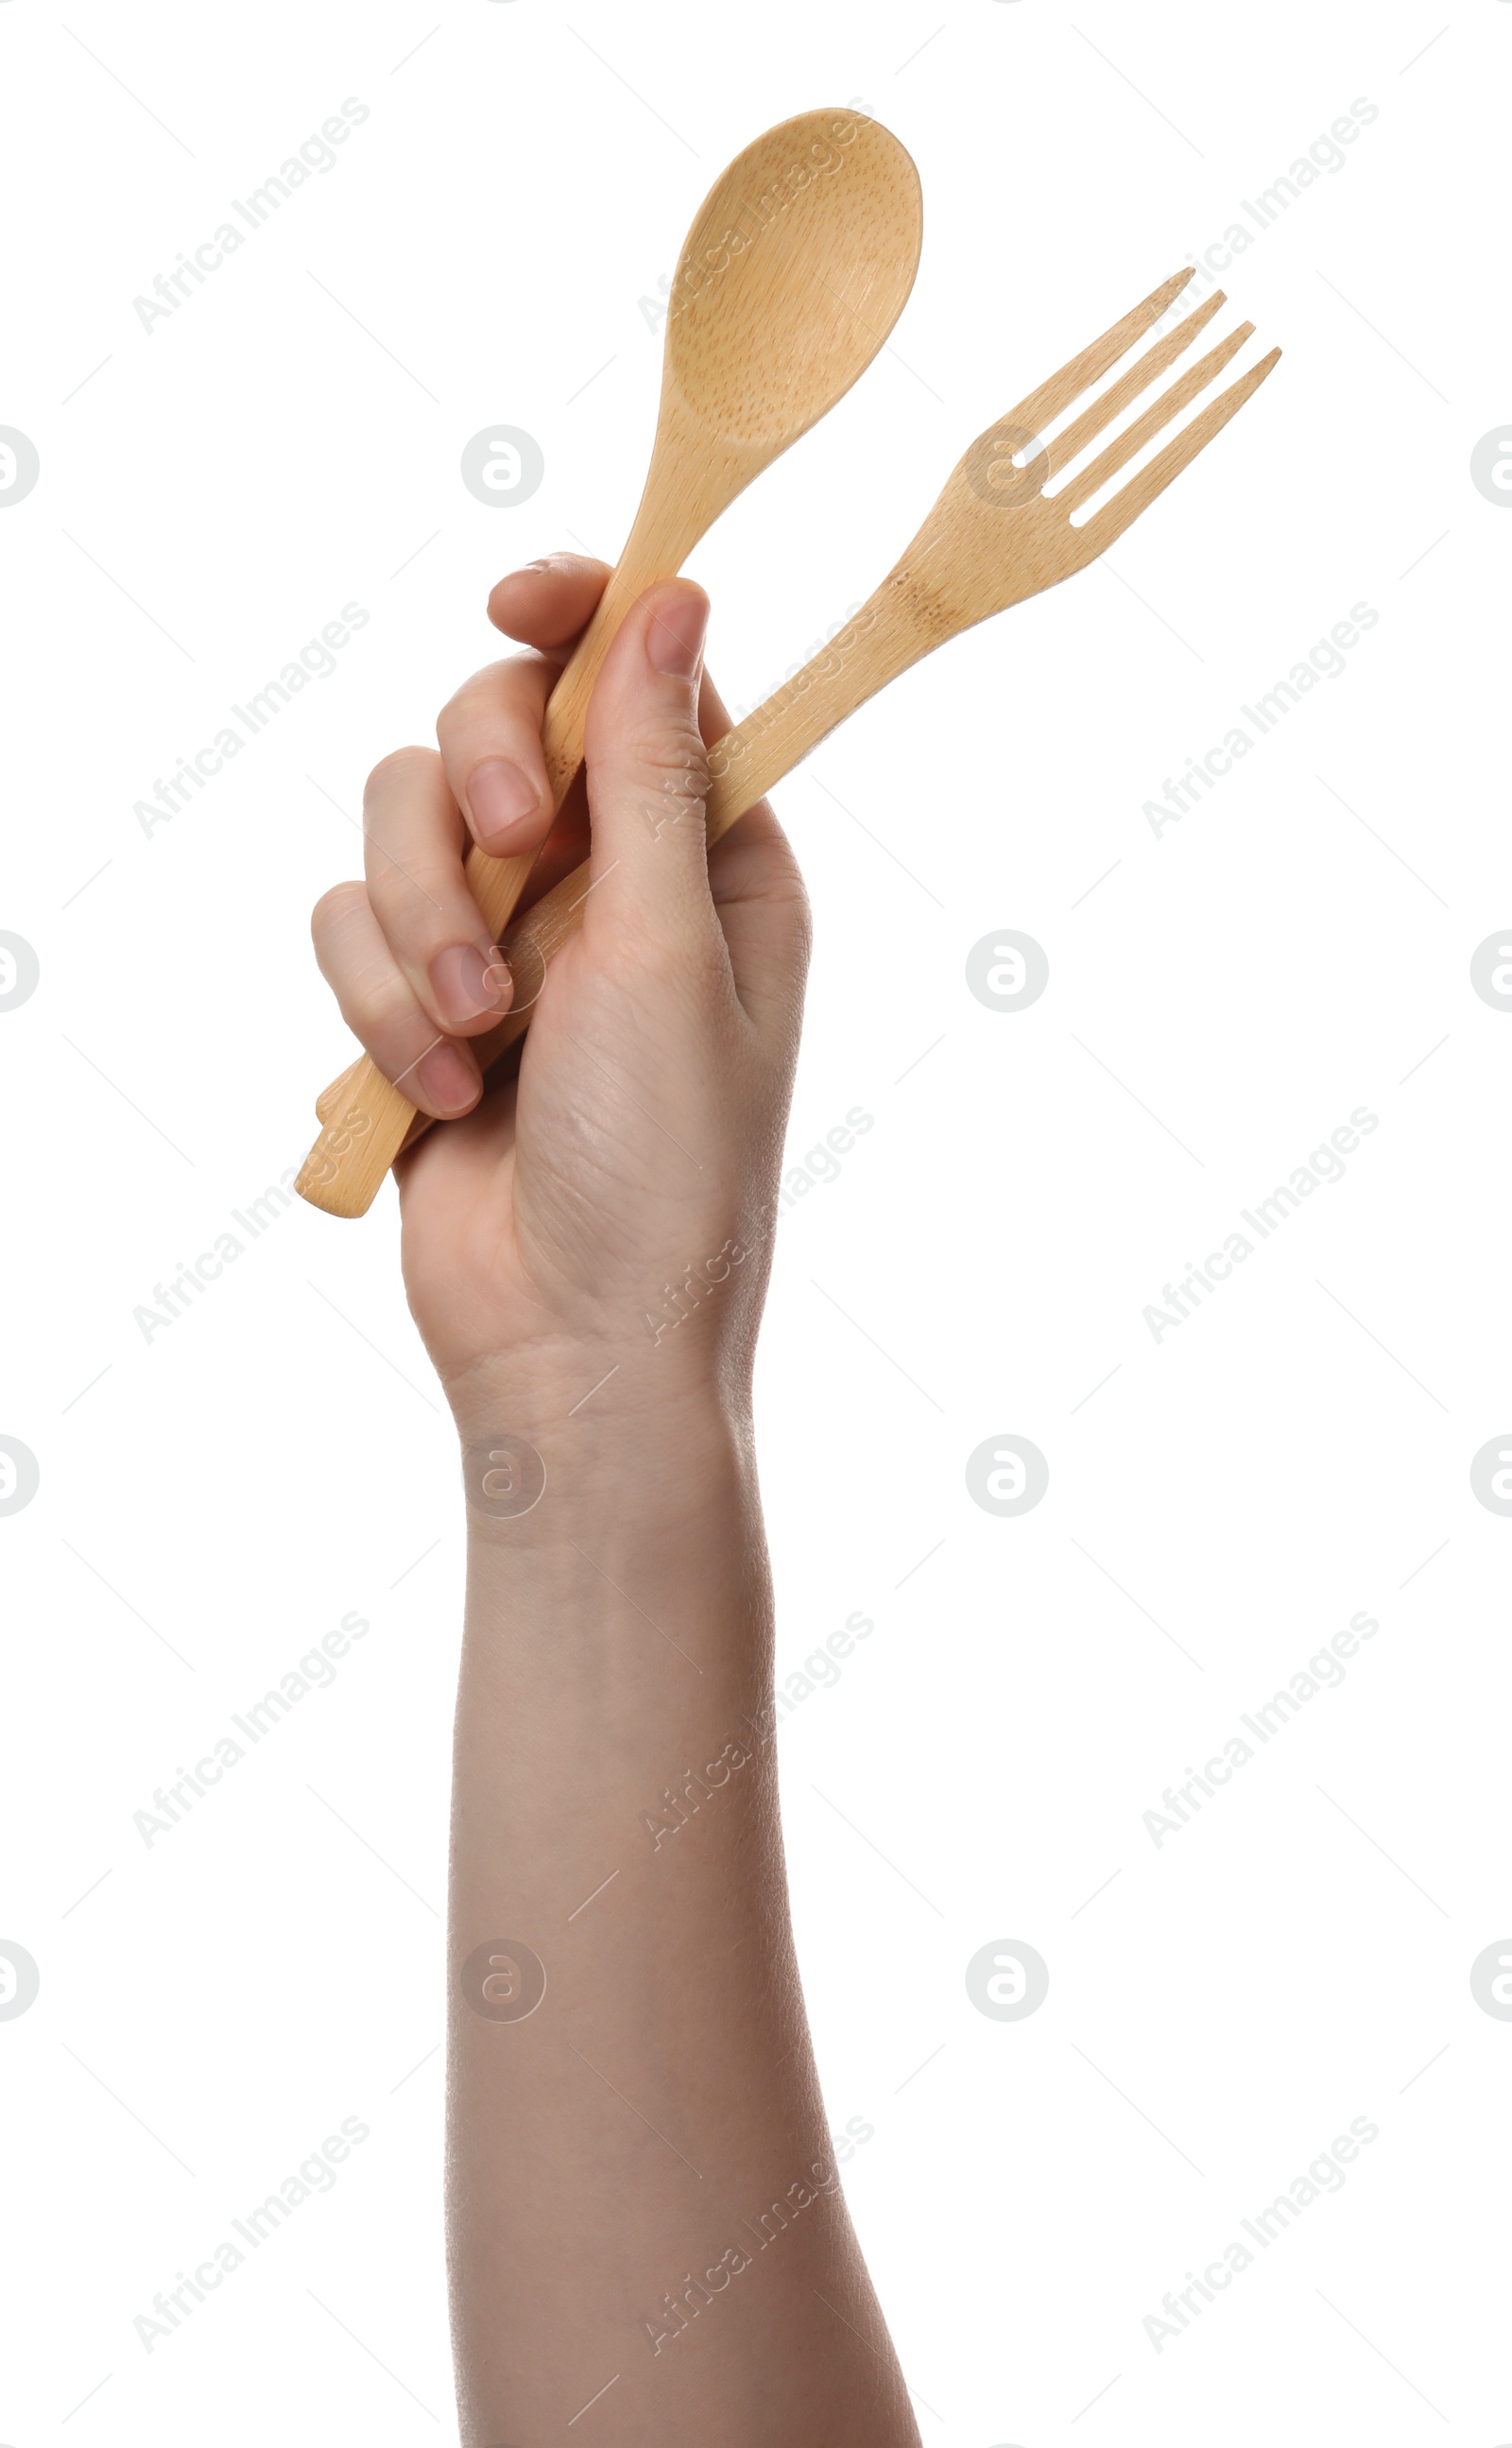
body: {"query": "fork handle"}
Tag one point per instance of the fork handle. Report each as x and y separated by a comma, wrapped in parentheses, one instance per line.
(883, 639)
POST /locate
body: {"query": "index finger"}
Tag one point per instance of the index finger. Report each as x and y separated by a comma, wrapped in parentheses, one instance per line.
(550, 601)
(489, 731)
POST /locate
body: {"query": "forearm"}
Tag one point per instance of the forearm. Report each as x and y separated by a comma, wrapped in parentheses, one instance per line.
(642, 2199)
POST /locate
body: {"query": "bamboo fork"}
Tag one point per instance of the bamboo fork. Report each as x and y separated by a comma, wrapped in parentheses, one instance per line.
(993, 539)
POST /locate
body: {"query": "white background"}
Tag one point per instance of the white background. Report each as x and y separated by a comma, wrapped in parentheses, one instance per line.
(1221, 996)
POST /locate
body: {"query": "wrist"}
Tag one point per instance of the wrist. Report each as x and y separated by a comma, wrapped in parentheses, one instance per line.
(636, 1545)
(616, 1363)
(588, 1437)
(599, 1381)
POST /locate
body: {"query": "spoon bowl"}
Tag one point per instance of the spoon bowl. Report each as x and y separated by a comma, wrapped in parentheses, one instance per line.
(797, 265)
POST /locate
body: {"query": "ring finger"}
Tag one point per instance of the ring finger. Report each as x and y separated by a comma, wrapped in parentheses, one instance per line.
(437, 1072)
(419, 896)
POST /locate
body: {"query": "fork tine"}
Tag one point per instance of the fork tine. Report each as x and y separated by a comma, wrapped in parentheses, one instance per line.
(1069, 445)
(1142, 489)
(1144, 428)
(1072, 380)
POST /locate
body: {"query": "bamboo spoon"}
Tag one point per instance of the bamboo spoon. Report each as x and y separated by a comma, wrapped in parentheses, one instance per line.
(993, 539)
(795, 269)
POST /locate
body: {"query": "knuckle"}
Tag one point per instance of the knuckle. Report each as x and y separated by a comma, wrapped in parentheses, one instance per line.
(418, 902)
(512, 689)
(666, 748)
(480, 692)
(378, 1006)
(403, 769)
(664, 774)
(335, 908)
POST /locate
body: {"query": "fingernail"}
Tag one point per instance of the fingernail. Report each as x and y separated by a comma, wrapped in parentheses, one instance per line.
(446, 1079)
(464, 983)
(675, 637)
(500, 797)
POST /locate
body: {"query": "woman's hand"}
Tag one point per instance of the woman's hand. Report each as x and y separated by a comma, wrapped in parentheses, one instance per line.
(643, 1134)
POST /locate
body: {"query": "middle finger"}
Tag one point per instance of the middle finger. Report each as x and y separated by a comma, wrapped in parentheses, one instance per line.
(415, 838)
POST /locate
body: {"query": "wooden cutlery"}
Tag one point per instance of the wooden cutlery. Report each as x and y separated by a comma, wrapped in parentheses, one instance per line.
(993, 538)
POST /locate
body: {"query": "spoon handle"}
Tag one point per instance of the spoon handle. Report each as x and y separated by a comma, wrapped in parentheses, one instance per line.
(886, 637)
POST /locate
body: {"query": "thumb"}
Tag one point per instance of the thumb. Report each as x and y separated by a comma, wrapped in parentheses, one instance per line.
(648, 772)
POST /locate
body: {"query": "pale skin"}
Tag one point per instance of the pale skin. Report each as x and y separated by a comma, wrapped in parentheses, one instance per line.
(647, 2241)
